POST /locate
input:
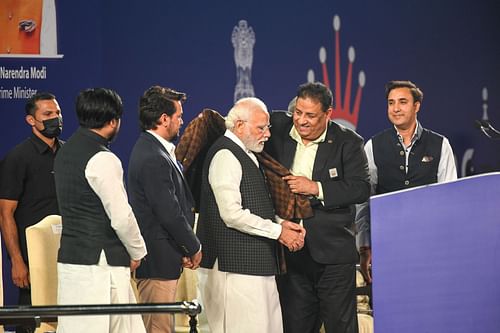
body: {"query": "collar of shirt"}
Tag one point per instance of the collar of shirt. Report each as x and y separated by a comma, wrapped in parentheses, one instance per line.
(305, 155)
(414, 138)
(296, 136)
(169, 146)
(41, 146)
(94, 136)
(240, 143)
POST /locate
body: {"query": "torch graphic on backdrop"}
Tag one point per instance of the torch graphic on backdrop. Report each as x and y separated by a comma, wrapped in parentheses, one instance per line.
(342, 109)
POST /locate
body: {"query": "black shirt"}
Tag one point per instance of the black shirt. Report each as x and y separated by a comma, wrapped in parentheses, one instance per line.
(27, 175)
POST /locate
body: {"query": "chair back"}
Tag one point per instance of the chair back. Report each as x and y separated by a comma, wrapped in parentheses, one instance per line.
(43, 241)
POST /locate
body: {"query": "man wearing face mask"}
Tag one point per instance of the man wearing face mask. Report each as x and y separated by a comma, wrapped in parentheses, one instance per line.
(27, 190)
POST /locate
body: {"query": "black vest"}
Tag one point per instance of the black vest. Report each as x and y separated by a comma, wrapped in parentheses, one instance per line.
(86, 227)
(389, 157)
(236, 252)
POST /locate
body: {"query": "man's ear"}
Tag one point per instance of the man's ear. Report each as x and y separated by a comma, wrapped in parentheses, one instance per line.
(329, 113)
(417, 107)
(238, 126)
(165, 119)
(113, 123)
(30, 120)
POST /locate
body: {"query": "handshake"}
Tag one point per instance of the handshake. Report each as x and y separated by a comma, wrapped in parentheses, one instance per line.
(292, 235)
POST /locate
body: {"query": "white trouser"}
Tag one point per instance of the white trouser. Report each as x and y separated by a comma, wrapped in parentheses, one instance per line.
(239, 303)
(96, 284)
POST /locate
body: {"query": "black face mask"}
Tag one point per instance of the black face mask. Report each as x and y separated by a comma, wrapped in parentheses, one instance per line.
(52, 127)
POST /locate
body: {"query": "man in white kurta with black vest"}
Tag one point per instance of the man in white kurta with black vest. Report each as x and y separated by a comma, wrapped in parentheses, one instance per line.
(101, 242)
(238, 230)
(401, 157)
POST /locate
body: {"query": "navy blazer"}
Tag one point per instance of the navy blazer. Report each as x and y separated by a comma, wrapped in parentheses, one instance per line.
(341, 167)
(163, 206)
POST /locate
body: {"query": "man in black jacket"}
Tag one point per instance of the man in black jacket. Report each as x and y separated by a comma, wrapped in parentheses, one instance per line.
(328, 164)
(162, 202)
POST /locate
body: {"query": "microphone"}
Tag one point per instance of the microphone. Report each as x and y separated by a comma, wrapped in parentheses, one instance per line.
(493, 129)
(480, 123)
(488, 129)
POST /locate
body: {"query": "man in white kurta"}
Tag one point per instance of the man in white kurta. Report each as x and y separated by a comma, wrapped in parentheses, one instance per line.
(101, 242)
(235, 301)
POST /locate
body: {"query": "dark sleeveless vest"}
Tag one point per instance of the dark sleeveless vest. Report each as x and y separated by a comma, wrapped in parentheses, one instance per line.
(236, 252)
(86, 227)
(389, 157)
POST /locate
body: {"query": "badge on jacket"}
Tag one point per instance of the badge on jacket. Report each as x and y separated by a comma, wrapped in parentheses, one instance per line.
(333, 172)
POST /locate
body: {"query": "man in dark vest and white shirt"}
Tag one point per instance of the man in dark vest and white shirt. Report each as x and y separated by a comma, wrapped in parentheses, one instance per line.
(403, 156)
(238, 230)
(101, 242)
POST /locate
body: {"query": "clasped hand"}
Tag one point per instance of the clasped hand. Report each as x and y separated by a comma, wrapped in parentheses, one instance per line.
(292, 235)
(301, 185)
(192, 262)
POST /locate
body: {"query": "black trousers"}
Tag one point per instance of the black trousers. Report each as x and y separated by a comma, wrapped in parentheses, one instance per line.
(312, 294)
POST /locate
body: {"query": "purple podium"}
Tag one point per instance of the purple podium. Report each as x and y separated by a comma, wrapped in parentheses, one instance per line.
(436, 258)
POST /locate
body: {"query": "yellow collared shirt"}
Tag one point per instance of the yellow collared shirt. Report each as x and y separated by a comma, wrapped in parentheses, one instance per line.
(305, 155)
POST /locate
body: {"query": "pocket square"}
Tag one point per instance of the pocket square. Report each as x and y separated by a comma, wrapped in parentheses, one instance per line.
(427, 159)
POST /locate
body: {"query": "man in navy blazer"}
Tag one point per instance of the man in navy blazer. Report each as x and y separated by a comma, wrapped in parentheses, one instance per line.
(329, 165)
(162, 203)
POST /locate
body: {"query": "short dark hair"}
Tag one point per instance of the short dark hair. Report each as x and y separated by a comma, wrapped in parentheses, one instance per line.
(317, 91)
(156, 101)
(31, 106)
(96, 107)
(417, 94)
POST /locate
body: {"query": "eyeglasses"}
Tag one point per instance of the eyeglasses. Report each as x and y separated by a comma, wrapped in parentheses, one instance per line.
(261, 129)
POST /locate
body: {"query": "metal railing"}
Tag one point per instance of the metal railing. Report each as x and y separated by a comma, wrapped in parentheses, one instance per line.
(48, 313)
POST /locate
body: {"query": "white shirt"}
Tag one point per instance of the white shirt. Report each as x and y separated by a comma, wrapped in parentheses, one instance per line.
(104, 173)
(224, 176)
(169, 146)
(446, 172)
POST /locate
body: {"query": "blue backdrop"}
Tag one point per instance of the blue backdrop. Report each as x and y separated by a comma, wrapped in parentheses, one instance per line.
(451, 49)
